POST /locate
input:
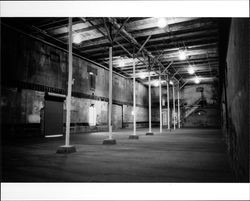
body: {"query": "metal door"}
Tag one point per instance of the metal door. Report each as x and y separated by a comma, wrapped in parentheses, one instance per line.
(53, 118)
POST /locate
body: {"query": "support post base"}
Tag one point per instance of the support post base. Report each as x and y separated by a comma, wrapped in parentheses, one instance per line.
(66, 149)
(109, 141)
(133, 137)
(149, 133)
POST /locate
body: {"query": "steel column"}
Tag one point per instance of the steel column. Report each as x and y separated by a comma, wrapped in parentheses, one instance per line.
(168, 103)
(179, 114)
(67, 148)
(160, 101)
(134, 96)
(173, 107)
(149, 101)
(68, 99)
(110, 92)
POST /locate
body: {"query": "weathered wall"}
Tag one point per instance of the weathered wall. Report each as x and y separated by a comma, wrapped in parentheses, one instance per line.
(190, 94)
(206, 115)
(237, 90)
(30, 68)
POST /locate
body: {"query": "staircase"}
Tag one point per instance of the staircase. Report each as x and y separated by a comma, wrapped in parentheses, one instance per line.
(191, 109)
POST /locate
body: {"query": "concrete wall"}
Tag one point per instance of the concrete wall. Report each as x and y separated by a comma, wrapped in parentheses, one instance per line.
(237, 91)
(190, 94)
(30, 68)
(209, 115)
(204, 117)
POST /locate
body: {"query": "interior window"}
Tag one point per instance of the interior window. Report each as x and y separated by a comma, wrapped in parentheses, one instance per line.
(92, 115)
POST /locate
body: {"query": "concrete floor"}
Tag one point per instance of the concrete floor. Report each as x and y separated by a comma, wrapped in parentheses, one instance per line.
(186, 155)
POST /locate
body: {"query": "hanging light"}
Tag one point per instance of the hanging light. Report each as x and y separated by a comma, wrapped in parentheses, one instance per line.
(77, 38)
(191, 70)
(171, 82)
(121, 63)
(162, 22)
(156, 83)
(182, 54)
(197, 80)
(142, 76)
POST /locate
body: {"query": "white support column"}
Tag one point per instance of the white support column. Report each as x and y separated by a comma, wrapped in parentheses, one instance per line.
(134, 97)
(68, 99)
(168, 104)
(149, 101)
(134, 136)
(110, 92)
(110, 140)
(179, 114)
(160, 101)
(173, 107)
(67, 148)
(149, 104)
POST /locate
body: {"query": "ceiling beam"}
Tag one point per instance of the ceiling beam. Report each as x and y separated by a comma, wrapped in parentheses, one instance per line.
(191, 33)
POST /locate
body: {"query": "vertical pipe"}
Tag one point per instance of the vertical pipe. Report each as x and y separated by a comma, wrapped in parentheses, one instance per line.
(110, 92)
(160, 101)
(173, 107)
(149, 100)
(168, 103)
(68, 100)
(179, 114)
(134, 97)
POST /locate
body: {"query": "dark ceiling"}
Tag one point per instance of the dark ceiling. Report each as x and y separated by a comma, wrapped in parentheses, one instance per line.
(142, 37)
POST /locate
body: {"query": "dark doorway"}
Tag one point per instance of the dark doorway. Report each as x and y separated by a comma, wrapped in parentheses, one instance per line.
(53, 116)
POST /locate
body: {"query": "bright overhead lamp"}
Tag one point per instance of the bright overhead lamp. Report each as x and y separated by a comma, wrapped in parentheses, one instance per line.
(156, 83)
(121, 63)
(182, 54)
(171, 82)
(191, 70)
(142, 76)
(77, 39)
(162, 22)
(197, 80)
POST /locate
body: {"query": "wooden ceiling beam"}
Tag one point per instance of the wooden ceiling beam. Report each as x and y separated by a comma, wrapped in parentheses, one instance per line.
(179, 29)
(174, 52)
(94, 43)
(160, 45)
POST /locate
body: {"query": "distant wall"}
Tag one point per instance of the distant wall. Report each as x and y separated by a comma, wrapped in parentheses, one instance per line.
(30, 68)
(236, 111)
(206, 115)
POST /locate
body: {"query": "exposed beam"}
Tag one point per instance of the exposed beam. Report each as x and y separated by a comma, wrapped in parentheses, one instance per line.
(144, 44)
(118, 31)
(132, 39)
(165, 37)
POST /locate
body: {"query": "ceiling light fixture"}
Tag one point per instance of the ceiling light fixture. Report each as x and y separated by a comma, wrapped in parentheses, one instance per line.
(197, 80)
(142, 76)
(182, 54)
(157, 83)
(121, 63)
(171, 82)
(77, 39)
(162, 22)
(191, 70)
